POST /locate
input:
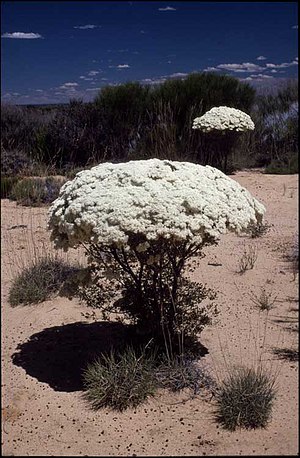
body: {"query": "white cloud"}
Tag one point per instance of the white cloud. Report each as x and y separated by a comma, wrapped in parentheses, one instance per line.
(93, 73)
(167, 8)
(159, 80)
(295, 27)
(274, 71)
(241, 68)
(68, 86)
(178, 75)
(211, 69)
(261, 76)
(283, 64)
(93, 89)
(123, 66)
(39, 90)
(85, 27)
(261, 58)
(22, 35)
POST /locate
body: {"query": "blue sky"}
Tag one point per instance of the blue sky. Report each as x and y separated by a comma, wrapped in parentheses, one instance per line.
(54, 50)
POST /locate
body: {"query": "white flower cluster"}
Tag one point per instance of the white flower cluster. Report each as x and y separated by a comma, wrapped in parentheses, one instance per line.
(224, 118)
(152, 198)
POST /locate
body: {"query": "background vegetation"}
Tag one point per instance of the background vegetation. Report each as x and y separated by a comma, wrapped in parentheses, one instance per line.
(131, 121)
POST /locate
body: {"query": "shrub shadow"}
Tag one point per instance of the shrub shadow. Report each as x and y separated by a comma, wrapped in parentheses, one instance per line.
(58, 355)
(287, 354)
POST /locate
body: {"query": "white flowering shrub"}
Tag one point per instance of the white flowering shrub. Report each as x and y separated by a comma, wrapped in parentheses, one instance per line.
(224, 118)
(224, 125)
(142, 222)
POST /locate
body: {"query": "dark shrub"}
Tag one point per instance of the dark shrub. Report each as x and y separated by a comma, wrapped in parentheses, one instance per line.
(14, 162)
(283, 167)
(7, 183)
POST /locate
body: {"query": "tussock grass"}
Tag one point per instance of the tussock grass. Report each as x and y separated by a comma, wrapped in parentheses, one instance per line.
(245, 399)
(120, 380)
(39, 281)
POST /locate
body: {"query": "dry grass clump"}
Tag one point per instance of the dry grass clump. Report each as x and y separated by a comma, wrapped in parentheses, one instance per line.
(37, 282)
(248, 259)
(245, 399)
(265, 301)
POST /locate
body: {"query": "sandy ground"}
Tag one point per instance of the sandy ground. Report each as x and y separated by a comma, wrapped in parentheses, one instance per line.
(45, 346)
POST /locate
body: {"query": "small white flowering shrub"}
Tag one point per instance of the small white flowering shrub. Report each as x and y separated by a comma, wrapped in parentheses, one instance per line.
(223, 125)
(142, 223)
(224, 118)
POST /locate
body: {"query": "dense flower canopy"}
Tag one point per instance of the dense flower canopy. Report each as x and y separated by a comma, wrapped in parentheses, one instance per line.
(151, 198)
(224, 118)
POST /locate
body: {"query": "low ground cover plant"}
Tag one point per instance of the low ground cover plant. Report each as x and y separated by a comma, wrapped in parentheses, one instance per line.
(39, 281)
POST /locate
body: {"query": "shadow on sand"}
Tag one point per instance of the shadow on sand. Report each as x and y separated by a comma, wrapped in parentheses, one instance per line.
(58, 355)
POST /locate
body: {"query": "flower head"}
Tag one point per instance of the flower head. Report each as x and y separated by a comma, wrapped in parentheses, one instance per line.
(154, 199)
(224, 118)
